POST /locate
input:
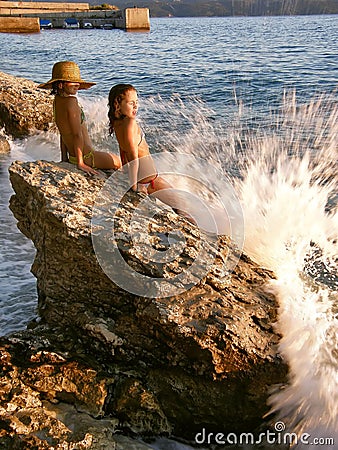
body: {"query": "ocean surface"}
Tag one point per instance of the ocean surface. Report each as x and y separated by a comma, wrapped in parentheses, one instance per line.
(257, 98)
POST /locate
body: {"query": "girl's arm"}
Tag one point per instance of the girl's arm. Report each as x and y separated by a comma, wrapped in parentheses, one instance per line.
(129, 144)
(74, 118)
(64, 153)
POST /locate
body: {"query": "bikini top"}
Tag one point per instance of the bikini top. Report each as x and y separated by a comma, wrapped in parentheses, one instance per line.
(83, 116)
(142, 136)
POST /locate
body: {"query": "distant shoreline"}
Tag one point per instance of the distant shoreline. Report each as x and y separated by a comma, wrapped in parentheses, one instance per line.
(232, 8)
(238, 16)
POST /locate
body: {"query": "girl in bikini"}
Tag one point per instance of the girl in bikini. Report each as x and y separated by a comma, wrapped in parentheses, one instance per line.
(123, 107)
(75, 143)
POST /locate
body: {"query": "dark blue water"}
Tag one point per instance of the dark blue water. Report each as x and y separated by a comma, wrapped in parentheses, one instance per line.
(212, 86)
(256, 57)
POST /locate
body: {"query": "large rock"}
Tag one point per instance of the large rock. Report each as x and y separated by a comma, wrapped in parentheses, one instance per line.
(206, 358)
(23, 107)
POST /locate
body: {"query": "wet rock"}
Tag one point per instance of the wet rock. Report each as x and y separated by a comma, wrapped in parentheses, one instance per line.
(206, 357)
(23, 108)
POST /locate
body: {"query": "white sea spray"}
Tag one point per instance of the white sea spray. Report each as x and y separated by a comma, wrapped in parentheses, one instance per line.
(285, 172)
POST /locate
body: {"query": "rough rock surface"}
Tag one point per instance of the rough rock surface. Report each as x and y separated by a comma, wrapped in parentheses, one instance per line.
(50, 401)
(23, 107)
(4, 145)
(204, 358)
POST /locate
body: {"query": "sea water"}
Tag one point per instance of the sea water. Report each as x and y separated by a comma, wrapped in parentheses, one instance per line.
(256, 97)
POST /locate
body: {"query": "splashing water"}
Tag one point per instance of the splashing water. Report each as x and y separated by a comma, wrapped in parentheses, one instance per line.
(285, 171)
(289, 189)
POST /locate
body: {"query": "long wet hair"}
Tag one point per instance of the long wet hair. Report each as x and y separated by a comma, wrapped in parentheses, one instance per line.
(116, 95)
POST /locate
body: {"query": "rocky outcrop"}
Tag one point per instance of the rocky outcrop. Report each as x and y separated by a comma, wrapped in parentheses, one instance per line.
(204, 358)
(103, 359)
(23, 107)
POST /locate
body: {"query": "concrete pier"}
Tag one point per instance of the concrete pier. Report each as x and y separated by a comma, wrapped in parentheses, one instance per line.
(19, 25)
(129, 19)
(136, 19)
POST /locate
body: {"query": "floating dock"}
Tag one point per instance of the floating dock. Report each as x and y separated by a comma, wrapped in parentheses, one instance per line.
(24, 17)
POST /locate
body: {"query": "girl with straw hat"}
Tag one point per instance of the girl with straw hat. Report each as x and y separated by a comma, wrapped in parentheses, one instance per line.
(76, 145)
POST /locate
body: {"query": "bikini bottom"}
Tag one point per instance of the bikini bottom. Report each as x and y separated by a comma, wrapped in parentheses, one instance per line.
(151, 182)
(73, 159)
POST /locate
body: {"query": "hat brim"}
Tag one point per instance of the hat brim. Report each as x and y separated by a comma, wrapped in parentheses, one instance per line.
(83, 84)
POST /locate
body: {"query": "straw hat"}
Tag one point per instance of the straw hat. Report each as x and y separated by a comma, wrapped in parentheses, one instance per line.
(66, 71)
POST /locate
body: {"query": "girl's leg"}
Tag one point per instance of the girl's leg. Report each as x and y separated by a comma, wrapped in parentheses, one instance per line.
(159, 184)
(105, 160)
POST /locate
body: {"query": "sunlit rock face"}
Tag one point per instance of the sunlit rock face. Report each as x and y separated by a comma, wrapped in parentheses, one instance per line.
(205, 357)
(49, 400)
(23, 107)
